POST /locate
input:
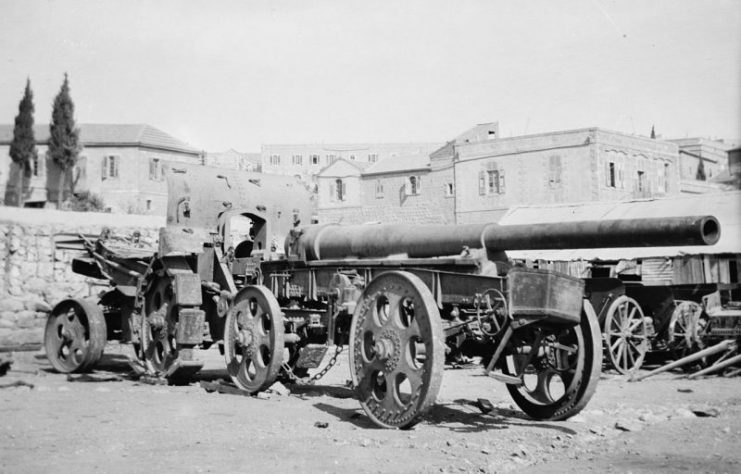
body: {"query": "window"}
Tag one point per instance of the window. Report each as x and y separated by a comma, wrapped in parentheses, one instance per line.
(554, 171)
(413, 186)
(614, 171)
(36, 166)
(155, 169)
(352, 157)
(372, 157)
(331, 159)
(661, 178)
(491, 180)
(297, 159)
(110, 167)
(611, 174)
(314, 159)
(641, 181)
(379, 189)
(149, 204)
(338, 190)
(274, 159)
(448, 189)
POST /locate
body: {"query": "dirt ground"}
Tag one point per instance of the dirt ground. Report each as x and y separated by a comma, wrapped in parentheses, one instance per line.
(129, 426)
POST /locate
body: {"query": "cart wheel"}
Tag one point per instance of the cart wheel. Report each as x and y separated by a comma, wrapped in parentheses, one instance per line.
(685, 330)
(561, 379)
(397, 349)
(75, 335)
(253, 339)
(626, 337)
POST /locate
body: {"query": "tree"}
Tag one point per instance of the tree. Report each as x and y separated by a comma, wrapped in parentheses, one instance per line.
(64, 146)
(23, 147)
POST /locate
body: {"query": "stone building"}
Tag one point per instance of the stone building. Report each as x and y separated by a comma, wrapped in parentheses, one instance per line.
(307, 160)
(233, 159)
(701, 160)
(582, 165)
(477, 176)
(123, 164)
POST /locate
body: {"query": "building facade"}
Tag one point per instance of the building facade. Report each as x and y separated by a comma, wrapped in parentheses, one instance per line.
(234, 160)
(123, 164)
(569, 166)
(701, 160)
(477, 176)
(307, 160)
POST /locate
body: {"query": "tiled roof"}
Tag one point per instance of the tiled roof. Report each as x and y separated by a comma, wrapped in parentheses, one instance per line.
(397, 164)
(97, 134)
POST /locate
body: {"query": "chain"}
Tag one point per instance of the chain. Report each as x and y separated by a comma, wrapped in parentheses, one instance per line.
(314, 378)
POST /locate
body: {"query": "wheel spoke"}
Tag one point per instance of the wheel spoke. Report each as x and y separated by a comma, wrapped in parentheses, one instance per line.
(635, 325)
(625, 355)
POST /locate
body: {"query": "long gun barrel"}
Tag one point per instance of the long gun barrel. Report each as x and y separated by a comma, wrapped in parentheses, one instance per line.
(333, 241)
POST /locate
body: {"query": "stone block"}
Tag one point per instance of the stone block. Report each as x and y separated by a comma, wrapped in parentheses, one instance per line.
(37, 304)
(26, 319)
(53, 297)
(45, 269)
(27, 269)
(35, 285)
(11, 304)
(9, 338)
(8, 316)
(45, 230)
(14, 272)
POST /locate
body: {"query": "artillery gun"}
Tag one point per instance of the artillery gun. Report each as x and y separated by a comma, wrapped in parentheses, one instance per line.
(403, 298)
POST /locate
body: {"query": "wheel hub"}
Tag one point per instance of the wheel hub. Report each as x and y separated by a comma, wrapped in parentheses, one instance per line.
(388, 349)
(246, 338)
(384, 349)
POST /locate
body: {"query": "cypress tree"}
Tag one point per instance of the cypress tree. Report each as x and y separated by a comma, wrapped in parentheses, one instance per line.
(64, 146)
(23, 147)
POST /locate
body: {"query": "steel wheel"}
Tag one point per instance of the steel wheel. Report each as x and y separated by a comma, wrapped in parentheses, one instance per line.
(561, 377)
(625, 335)
(75, 336)
(253, 339)
(396, 349)
(685, 327)
(159, 325)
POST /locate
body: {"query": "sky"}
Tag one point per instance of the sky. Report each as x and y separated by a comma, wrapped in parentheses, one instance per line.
(238, 74)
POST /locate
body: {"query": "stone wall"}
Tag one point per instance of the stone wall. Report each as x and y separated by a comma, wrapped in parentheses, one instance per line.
(36, 276)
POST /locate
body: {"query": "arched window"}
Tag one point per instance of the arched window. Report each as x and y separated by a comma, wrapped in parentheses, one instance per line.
(340, 189)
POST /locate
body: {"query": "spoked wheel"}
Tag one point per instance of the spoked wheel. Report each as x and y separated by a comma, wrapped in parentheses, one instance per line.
(253, 339)
(75, 336)
(561, 376)
(396, 349)
(685, 327)
(157, 334)
(625, 334)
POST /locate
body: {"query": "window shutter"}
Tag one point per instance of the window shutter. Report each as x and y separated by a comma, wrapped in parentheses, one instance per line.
(482, 183)
(104, 168)
(344, 190)
(407, 187)
(151, 169)
(501, 181)
(332, 192)
(419, 184)
(621, 174)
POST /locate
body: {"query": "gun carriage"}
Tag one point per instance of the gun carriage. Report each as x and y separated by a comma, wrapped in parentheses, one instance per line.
(403, 298)
(675, 319)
